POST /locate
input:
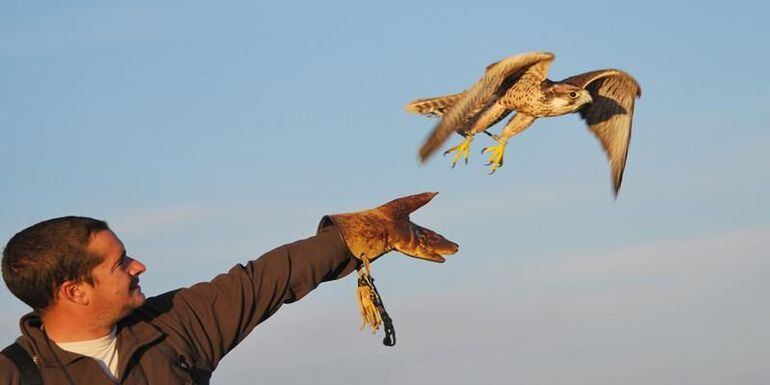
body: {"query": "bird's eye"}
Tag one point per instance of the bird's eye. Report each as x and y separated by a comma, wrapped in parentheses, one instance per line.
(573, 94)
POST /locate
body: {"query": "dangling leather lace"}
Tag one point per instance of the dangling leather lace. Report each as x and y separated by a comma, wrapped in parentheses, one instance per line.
(370, 304)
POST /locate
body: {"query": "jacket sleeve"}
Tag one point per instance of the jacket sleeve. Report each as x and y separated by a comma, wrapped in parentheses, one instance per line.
(213, 317)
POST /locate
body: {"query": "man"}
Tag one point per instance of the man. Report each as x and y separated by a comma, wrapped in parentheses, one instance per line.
(91, 323)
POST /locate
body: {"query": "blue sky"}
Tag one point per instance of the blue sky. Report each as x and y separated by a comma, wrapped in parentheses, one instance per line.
(207, 135)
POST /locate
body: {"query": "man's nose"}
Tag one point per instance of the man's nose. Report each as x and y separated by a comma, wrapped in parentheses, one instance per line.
(137, 267)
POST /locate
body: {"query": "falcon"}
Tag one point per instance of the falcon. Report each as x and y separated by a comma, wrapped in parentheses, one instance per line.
(604, 99)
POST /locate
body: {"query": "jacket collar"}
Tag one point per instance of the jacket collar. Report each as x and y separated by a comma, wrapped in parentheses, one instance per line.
(132, 334)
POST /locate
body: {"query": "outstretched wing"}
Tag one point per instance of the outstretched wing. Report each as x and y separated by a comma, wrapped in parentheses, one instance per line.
(611, 113)
(503, 73)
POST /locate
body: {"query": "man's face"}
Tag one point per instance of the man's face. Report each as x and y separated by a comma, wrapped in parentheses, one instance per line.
(116, 291)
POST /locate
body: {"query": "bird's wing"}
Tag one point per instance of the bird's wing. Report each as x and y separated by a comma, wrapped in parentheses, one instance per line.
(505, 72)
(611, 113)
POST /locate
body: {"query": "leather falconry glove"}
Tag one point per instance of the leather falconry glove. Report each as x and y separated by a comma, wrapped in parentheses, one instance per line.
(371, 233)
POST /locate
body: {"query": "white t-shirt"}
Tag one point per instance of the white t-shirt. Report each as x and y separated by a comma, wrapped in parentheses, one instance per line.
(104, 350)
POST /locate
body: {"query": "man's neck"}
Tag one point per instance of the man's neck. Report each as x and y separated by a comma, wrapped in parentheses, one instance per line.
(63, 327)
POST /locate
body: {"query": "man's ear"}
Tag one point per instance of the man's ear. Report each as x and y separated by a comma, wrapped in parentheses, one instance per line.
(72, 292)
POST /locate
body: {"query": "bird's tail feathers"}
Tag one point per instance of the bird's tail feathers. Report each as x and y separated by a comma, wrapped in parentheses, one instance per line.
(433, 106)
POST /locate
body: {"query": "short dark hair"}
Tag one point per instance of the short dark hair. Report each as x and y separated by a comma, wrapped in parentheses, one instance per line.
(38, 259)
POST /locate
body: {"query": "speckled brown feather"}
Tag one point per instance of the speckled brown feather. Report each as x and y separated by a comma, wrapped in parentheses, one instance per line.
(497, 79)
(432, 106)
(519, 83)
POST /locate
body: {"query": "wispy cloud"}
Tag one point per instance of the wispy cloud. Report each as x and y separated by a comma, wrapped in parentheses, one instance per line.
(106, 24)
(670, 312)
(695, 256)
(163, 218)
(180, 215)
(502, 202)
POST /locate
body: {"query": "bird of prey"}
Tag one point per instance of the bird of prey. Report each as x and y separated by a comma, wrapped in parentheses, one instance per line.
(604, 99)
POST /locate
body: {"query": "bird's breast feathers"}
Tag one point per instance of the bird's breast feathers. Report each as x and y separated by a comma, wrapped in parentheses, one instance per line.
(558, 103)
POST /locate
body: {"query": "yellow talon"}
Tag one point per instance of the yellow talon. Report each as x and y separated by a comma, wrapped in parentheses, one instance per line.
(462, 150)
(496, 157)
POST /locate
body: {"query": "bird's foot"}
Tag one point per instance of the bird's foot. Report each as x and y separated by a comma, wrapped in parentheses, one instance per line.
(496, 155)
(462, 150)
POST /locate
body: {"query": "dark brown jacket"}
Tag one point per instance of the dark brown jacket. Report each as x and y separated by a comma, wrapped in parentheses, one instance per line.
(179, 337)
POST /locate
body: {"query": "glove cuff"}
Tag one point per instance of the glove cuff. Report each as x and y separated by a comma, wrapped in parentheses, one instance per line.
(363, 232)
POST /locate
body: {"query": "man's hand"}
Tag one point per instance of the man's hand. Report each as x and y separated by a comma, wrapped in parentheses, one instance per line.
(374, 232)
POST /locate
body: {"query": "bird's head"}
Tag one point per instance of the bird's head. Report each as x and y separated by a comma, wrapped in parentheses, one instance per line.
(568, 98)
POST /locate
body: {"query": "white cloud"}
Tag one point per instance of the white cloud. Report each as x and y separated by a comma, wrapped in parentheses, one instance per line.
(112, 24)
(695, 257)
(499, 203)
(676, 311)
(679, 311)
(164, 218)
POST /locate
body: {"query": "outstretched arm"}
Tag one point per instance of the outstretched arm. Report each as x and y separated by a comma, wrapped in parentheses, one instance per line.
(213, 317)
